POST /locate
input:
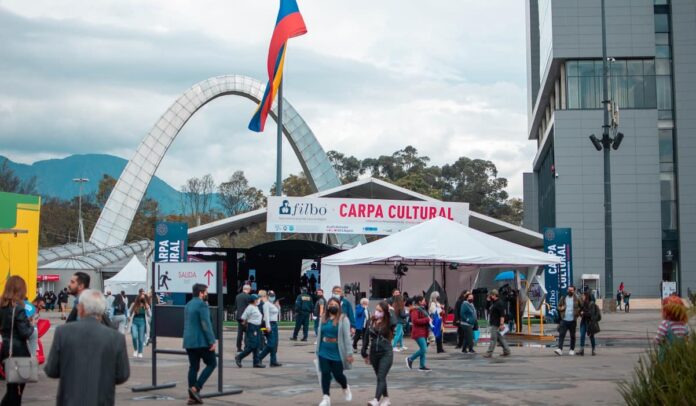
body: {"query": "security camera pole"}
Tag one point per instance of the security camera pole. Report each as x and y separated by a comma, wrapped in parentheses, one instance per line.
(604, 144)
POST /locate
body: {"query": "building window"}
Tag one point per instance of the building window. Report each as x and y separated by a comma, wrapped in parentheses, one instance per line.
(631, 82)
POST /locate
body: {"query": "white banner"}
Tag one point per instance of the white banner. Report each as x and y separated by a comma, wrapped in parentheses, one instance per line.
(324, 215)
(179, 277)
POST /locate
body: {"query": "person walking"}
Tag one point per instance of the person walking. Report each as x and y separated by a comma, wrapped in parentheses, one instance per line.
(119, 320)
(139, 318)
(378, 335)
(78, 282)
(63, 302)
(467, 322)
(241, 302)
(362, 318)
(333, 350)
(590, 316)
(303, 308)
(199, 341)
(619, 299)
(271, 312)
(16, 329)
(319, 306)
(346, 307)
(497, 322)
(457, 319)
(88, 357)
(419, 332)
(252, 319)
(437, 315)
(674, 324)
(626, 300)
(400, 316)
(569, 310)
(109, 304)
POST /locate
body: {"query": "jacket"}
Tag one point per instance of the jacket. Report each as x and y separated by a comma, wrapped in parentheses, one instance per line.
(467, 314)
(457, 311)
(421, 323)
(591, 315)
(361, 315)
(577, 305)
(304, 304)
(198, 329)
(241, 302)
(378, 340)
(22, 331)
(90, 359)
(347, 309)
(345, 344)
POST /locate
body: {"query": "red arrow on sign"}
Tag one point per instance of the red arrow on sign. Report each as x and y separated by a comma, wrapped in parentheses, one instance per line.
(209, 274)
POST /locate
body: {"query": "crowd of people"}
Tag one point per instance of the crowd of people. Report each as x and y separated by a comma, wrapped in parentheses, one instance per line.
(96, 325)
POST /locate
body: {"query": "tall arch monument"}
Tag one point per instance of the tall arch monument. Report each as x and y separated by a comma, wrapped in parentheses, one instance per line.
(118, 213)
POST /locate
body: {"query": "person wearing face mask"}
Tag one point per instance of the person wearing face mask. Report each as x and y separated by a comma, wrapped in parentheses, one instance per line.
(271, 310)
(362, 318)
(334, 351)
(437, 314)
(421, 323)
(377, 336)
(569, 309)
(346, 307)
(496, 320)
(252, 317)
(199, 341)
(467, 321)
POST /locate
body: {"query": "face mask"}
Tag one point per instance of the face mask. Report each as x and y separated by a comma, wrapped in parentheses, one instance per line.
(272, 299)
(379, 314)
(570, 293)
(333, 310)
(336, 296)
(470, 300)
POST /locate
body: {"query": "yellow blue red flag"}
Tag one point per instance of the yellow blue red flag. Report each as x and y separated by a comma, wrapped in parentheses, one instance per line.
(288, 25)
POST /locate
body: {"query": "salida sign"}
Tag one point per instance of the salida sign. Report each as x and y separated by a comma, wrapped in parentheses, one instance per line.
(355, 216)
(179, 277)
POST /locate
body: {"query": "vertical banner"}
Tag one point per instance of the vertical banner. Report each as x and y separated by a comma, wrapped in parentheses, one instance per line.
(171, 245)
(557, 241)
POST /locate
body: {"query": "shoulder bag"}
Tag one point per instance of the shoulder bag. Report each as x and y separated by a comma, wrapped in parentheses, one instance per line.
(20, 369)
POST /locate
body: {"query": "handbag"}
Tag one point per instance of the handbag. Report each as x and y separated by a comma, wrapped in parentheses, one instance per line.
(20, 369)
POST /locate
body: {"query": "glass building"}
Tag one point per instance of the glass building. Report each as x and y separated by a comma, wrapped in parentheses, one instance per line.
(651, 45)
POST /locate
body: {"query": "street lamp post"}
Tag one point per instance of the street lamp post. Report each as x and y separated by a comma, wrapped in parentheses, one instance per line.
(605, 144)
(81, 227)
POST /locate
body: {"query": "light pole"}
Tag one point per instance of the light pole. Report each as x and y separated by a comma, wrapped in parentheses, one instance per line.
(605, 144)
(81, 227)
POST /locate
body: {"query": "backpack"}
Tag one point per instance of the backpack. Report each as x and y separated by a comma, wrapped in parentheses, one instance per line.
(120, 307)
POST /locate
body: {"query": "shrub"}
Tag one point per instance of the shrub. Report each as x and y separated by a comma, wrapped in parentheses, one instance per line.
(664, 376)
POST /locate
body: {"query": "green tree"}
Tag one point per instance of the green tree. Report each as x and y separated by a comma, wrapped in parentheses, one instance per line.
(197, 196)
(295, 185)
(106, 185)
(9, 182)
(236, 196)
(348, 168)
(475, 181)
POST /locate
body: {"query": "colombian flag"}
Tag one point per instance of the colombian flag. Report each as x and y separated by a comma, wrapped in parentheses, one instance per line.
(289, 24)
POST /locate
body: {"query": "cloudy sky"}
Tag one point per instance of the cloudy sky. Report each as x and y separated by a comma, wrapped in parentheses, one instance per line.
(370, 77)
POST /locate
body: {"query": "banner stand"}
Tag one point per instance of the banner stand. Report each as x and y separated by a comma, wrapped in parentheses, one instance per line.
(220, 364)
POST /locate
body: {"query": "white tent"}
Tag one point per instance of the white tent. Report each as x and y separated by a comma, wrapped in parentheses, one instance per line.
(435, 241)
(129, 279)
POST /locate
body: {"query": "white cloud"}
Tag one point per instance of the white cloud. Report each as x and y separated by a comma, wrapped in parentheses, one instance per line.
(370, 77)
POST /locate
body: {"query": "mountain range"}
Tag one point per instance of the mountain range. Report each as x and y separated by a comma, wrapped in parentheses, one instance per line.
(54, 178)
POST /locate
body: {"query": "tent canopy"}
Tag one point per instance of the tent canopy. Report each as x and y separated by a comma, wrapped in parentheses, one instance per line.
(444, 240)
(132, 277)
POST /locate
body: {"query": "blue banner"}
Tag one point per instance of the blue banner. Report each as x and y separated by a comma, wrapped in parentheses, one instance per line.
(171, 242)
(171, 245)
(557, 278)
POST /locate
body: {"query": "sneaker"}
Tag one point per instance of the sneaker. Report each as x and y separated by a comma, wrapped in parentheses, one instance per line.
(135, 354)
(347, 394)
(385, 401)
(506, 354)
(373, 402)
(571, 352)
(140, 355)
(276, 365)
(424, 369)
(259, 366)
(558, 351)
(304, 339)
(409, 363)
(293, 338)
(404, 348)
(325, 401)
(396, 349)
(594, 352)
(488, 355)
(581, 352)
(238, 361)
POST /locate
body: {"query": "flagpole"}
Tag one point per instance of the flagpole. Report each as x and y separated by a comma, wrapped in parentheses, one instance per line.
(279, 149)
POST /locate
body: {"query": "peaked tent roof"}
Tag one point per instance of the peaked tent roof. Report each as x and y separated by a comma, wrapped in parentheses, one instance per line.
(444, 240)
(134, 271)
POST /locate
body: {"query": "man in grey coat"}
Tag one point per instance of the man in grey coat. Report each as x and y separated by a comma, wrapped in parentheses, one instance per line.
(75, 348)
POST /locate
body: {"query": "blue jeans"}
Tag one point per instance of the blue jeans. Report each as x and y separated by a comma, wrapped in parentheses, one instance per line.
(271, 344)
(316, 326)
(398, 336)
(138, 333)
(583, 332)
(422, 350)
(195, 355)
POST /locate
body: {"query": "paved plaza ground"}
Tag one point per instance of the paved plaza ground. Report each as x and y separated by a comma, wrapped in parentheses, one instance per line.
(533, 375)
